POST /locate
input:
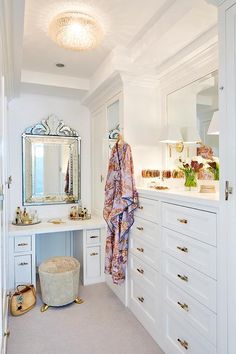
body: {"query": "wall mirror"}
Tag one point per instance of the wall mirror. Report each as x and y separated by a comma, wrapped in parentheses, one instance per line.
(193, 106)
(51, 163)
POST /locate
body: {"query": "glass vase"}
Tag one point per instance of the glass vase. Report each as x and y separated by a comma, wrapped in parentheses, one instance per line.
(190, 181)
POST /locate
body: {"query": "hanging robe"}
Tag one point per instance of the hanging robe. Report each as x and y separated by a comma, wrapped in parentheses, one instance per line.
(121, 199)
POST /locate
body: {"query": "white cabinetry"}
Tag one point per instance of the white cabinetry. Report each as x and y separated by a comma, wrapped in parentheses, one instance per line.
(88, 248)
(173, 266)
(144, 265)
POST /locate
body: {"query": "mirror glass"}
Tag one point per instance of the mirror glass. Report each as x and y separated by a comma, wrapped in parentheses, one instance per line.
(193, 106)
(51, 169)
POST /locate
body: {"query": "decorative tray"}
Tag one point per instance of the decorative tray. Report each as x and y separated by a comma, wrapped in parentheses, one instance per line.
(56, 221)
(29, 224)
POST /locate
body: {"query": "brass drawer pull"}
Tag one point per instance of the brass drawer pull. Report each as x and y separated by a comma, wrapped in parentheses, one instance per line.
(23, 263)
(183, 306)
(93, 236)
(22, 244)
(94, 254)
(183, 343)
(183, 277)
(140, 228)
(183, 249)
(140, 249)
(183, 221)
(140, 207)
(141, 271)
(141, 299)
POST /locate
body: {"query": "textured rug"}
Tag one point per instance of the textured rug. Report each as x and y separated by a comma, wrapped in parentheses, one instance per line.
(102, 325)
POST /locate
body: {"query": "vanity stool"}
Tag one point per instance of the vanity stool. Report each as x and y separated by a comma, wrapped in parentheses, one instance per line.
(59, 280)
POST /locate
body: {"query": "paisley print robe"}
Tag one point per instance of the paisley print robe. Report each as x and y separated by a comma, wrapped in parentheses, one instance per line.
(121, 199)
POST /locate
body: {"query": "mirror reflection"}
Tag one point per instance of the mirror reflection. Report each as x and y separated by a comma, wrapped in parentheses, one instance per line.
(51, 169)
(193, 106)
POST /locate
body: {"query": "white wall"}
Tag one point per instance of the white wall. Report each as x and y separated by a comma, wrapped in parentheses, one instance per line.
(30, 109)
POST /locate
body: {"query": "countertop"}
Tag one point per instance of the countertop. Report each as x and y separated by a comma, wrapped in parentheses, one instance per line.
(193, 197)
(47, 227)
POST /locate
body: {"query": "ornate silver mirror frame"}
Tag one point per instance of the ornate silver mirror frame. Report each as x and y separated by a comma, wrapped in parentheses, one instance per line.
(51, 172)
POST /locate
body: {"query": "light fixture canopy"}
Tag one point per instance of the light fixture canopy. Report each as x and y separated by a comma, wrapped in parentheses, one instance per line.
(76, 31)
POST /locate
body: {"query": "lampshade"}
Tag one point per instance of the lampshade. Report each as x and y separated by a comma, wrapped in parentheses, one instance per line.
(214, 128)
(170, 135)
(190, 135)
(76, 31)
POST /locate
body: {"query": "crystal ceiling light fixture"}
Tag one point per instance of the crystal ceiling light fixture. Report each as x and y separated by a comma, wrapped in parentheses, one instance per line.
(76, 31)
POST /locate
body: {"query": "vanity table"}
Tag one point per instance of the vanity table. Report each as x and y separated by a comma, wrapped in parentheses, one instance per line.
(87, 245)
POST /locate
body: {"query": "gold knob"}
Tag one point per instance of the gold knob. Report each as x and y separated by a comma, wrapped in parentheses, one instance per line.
(183, 221)
(183, 306)
(183, 277)
(140, 228)
(141, 299)
(141, 271)
(183, 249)
(183, 343)
(140, 249)
(94, 254)
(23, 263)
(140, 207)
(7, 333)
(22, 244)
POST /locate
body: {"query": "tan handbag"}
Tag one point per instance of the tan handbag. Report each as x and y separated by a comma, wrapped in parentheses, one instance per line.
(22, 300)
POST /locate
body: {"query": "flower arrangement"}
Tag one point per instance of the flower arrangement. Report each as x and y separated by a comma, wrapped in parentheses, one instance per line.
(190, 171)
(214, 168)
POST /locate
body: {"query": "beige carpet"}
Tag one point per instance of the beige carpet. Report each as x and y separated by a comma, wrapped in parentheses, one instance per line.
(102, 325)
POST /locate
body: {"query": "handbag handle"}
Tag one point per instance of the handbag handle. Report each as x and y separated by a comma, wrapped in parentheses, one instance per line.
(26, 288)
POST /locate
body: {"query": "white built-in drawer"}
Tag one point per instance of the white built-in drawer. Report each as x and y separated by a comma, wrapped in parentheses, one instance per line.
(145, 252)
(195, 223)
(23, 244)
(190, 311)
(147, 231)
(144, 298)
(148, 209)
(180, 337)
(22, 269)
(196, 284)
(92, 236)
(195, 253)
(146, 276)
(93, 262)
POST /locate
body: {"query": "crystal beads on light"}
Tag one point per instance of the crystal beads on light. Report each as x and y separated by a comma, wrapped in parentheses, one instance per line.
(76, 31)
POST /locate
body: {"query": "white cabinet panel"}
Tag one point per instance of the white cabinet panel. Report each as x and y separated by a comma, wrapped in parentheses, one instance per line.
(93, 236)
(145, 252)
(190, 311)
(93, 262)
(147, 231)
(197, 254)
(22, 269)
(196, 284)
(23, 244)
(145, 275)
(180, 338)
(148, 209)
(192, 222)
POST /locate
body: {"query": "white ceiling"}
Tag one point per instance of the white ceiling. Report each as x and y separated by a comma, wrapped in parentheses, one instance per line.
(121, 19)
(150, 32)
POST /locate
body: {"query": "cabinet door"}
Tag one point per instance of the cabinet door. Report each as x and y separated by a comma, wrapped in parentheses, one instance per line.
(22, 269)
(93, 262)
(99, 159)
